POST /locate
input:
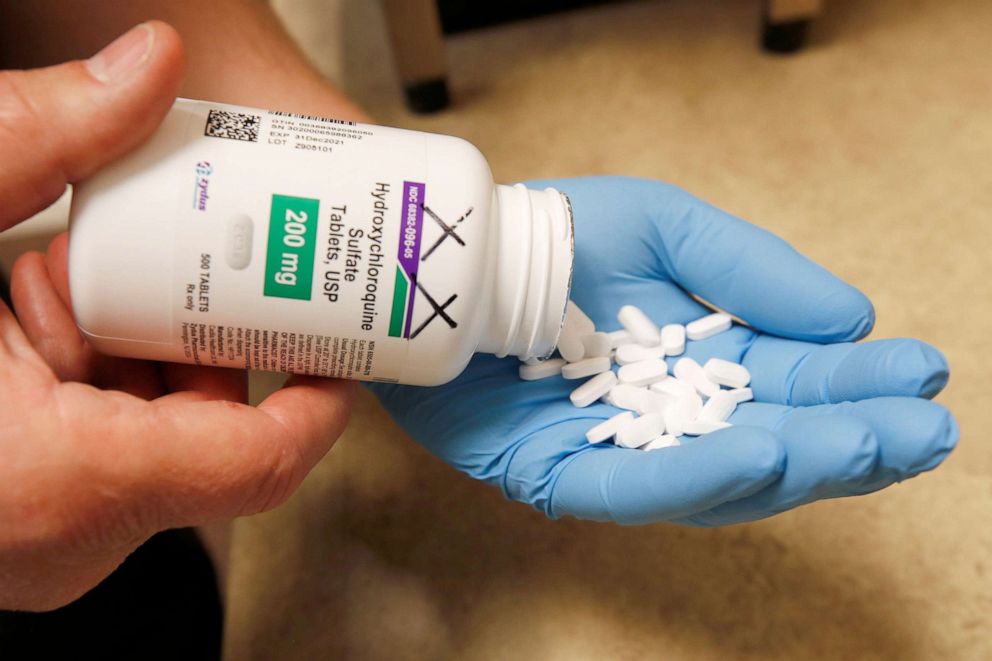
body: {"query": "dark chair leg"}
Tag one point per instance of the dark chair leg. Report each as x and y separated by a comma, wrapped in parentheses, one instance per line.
(785, 24)
(427, 96)
(418, 49)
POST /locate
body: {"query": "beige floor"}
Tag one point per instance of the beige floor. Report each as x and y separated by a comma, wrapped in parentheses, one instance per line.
(872, 152)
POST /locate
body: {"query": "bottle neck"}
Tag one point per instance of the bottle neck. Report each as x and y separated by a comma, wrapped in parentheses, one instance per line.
(533, 274)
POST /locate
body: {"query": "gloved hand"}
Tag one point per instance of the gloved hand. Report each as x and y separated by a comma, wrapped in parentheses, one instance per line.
(830, 418)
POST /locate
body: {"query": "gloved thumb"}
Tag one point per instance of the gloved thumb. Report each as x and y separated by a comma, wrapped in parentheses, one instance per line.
(61, 124)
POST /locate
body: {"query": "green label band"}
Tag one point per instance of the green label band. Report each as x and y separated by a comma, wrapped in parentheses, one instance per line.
(291, 246)
(398, 312)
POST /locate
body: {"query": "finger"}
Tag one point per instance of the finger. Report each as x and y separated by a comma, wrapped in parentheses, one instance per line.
(910, 436)
(210, 382)
(913, 434)
(51, 329)
(140, 378)
(805, 374)
(15, 348)
(732, 264)
(633, 487)
(46, 321)
(204, 460)
(61, 124)
(313, 409)
(57, 262)
(827, 456)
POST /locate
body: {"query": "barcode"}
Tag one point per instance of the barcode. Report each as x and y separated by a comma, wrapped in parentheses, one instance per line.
(232, 125)
(314, 118)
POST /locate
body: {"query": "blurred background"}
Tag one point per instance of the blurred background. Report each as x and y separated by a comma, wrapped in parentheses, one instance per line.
(869, 149)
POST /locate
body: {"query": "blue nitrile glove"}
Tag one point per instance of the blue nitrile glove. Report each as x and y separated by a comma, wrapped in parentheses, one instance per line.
(830, 418)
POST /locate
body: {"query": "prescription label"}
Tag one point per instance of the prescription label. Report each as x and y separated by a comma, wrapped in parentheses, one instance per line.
(279, 351)
(298, 228)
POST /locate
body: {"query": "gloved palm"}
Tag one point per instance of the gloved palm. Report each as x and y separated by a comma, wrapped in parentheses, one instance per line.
(830, 418)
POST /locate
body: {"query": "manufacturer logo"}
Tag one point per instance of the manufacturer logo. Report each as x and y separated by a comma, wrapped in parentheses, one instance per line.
(201, 185)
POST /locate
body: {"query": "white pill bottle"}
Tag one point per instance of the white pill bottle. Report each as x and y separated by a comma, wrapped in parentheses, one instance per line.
(266, 240)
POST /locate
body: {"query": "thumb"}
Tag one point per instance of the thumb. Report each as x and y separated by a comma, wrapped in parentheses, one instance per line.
(61, 124)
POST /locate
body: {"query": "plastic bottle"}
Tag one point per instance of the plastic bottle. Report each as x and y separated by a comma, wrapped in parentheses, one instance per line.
(268, 240)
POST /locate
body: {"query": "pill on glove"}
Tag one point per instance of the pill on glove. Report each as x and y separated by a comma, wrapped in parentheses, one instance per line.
(586, 367)
(726, 373)
(593, 389)
(654, 402)
(683, 410)
(626, 396)
(597, 344)
(708, 326)
(642, 430)
(578, 320)
(619, 337)
(542, 370)
(637, 323)
(688, 370)
(635, 353)
(607, 429)
(570, 345)
(663, 441)
(643, 373)
(673, 387)
(673, 339)
(719, 407)
(659, 407)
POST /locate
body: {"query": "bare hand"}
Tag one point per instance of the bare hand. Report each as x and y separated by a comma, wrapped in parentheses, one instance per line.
(97, 453)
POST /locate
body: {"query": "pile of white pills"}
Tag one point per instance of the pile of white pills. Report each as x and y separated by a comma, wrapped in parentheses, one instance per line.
(694, 400)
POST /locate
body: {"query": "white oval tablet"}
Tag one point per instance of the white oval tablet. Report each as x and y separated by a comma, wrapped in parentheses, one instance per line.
(708, 326)
(644, 372)
(726, 373)
(641, 431)
(237, 241)
(593, 389)
(607, 429)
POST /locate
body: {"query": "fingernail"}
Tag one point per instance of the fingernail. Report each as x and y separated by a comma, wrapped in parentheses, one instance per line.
(123, 55)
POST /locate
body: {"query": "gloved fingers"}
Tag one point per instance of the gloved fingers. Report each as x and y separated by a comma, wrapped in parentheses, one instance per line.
(731, 263)
(756, 275)
(806, 374)
(914, 435)
(827, 456)
(634, 487)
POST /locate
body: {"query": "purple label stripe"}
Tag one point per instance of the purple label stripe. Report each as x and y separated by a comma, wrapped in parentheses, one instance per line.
(410, 233)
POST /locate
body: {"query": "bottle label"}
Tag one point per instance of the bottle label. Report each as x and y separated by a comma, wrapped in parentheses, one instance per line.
(301, 249)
